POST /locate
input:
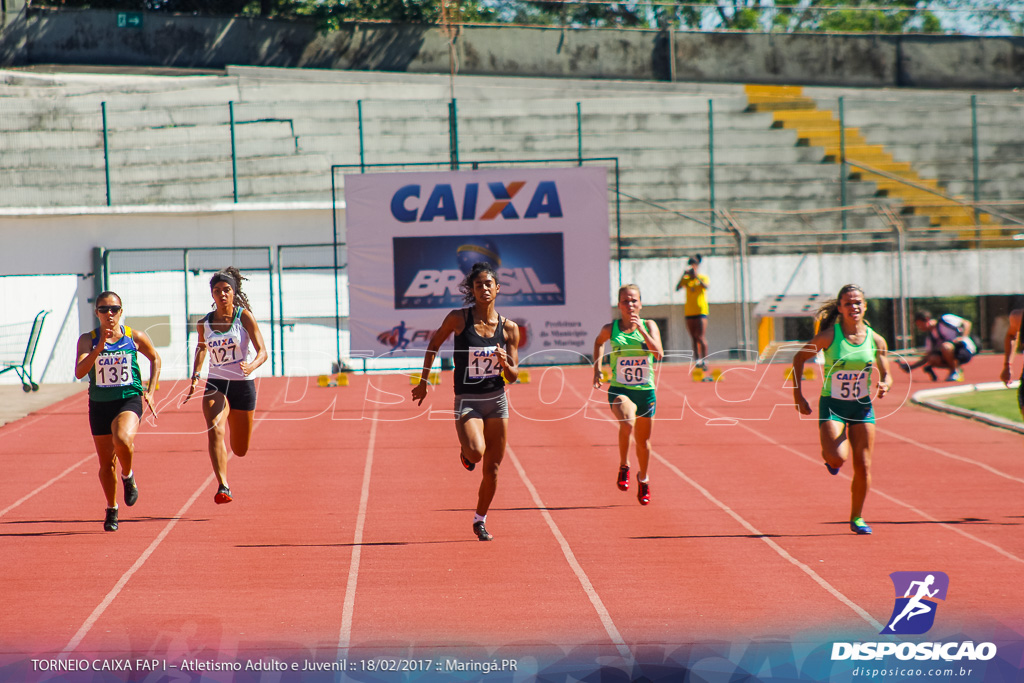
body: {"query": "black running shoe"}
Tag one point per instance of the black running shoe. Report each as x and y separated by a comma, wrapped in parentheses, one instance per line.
(131, 491)
(223, 495)
(110, 523)
(465, 463)
(644, 494)
(623, 479)
(481, 531)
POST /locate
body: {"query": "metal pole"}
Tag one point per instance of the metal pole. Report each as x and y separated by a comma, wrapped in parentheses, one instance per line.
(711, 167)
(280, 304)
(106, 149)
(974, 146)
(842, 164)
(618, 221)
(362, 148)
(334, 249)
(234, 153)
(671, 54)
(270, 278)
(188, 327)
(100, 262)
(453, 135)
(579, 135)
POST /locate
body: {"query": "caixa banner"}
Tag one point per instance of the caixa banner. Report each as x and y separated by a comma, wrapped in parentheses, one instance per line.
(413, 237)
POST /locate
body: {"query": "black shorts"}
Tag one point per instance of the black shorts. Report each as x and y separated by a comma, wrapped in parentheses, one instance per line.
(1020, 395)
(102, 413)
(241, 393)
(961, 352)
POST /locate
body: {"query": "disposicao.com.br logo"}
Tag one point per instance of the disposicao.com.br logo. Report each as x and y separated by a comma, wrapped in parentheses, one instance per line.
(914, 611)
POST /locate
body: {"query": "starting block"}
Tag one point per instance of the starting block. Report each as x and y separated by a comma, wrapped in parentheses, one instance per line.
(606, 376)
(524, 376)
(339, 380)
(699, 375)
(807, 374)
(432, 378)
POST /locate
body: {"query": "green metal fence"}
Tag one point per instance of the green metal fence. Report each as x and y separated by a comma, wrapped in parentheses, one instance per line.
(678, 153)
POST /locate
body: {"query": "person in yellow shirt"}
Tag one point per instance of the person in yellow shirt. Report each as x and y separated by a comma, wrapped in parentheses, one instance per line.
(696, 308)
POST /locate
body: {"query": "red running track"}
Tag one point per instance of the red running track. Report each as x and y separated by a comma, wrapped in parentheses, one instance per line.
(350, 531)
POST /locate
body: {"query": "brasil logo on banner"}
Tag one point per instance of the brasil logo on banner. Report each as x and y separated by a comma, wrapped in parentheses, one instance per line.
(428, 270)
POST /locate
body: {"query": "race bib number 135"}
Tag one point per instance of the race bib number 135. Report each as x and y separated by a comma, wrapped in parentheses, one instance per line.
(114, 370)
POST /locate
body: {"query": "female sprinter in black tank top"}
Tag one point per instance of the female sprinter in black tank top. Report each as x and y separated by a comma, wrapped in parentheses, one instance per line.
(486, 348)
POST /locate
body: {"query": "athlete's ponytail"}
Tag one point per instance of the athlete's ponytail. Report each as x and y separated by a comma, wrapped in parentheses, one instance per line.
(234, 278)
(829, 311)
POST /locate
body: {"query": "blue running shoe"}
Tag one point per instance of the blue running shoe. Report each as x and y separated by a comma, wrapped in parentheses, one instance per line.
(859, 526)
(832, 470)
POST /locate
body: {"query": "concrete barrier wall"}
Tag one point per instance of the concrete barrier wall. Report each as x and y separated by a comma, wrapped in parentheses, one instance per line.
(94, 37)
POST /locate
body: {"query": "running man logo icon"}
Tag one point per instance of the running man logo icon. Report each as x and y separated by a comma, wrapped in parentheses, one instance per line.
(916, 595)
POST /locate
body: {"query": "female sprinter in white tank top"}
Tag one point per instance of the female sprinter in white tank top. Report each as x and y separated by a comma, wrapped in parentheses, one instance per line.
(229, 401)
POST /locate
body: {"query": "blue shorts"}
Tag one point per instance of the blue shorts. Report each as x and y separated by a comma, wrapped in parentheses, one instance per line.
(644, 399)
(847, 412)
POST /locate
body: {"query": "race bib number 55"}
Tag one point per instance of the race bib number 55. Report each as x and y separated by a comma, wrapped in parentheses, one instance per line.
(850, 385)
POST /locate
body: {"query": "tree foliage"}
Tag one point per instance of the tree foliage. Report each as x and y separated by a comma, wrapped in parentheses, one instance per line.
(976, 17)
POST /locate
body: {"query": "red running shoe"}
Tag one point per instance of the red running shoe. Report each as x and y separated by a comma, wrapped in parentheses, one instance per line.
(223, 495)
(623, 481)
(644, 494)
(466, 463)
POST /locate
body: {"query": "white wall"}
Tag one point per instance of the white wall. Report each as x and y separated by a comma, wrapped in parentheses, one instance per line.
(56, 243)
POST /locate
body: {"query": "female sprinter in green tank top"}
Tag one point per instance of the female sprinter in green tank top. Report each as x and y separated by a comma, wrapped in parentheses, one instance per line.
(636, 344)
(846, 418)
(109, 356)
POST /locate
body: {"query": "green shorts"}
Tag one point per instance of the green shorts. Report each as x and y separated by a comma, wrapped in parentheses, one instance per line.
(845, 411)
(644, 399)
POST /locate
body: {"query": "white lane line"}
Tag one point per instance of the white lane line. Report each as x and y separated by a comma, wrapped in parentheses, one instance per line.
(581, 575)
(817, 578)
(47, 484)
(888, 497)
(947, 454)
(348, 607)
(123, 581)
(116, 590)
(816, 459)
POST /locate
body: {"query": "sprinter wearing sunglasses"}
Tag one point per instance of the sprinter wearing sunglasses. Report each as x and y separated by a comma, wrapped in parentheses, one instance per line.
(109, 356)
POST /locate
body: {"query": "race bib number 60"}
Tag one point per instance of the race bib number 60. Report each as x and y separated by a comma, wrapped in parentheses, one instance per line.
(632, 371)
(850, 385)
